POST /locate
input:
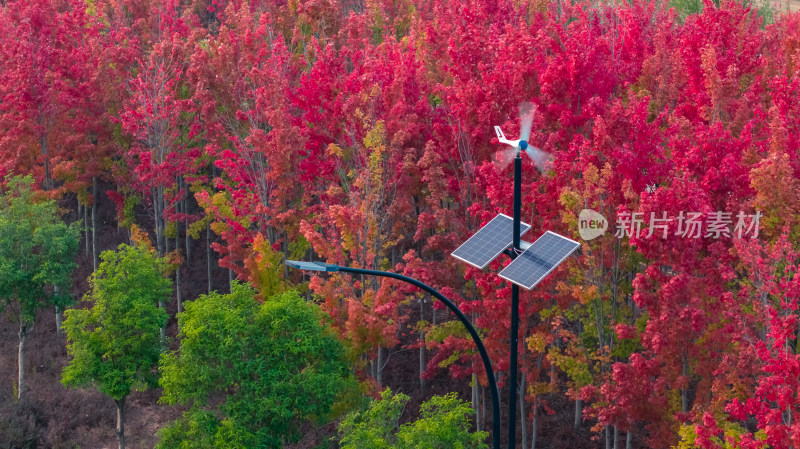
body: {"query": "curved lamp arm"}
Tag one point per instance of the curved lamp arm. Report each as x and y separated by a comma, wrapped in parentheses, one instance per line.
(487, 364)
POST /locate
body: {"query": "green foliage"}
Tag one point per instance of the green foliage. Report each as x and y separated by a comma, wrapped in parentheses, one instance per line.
(199, 226)
(266, 268)
(171, 230)
(115, 345)
(273, 365)
(573, 364)
(685, 8)
(299, 247)
(195, 430)
(36, 250)
(444, 423)
(441, 331)
(375, 427)
(128, 214)
(731, 430)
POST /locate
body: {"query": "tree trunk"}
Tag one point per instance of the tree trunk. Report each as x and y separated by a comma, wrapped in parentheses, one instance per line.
(482, 396)
(379, 368)
(608, 437)
(186, 227)
(534, 425)
(158, 212)
(421, 348)
(163, 330)
(94, 222)
(685, 391)
(57, 289)
(616, 437)
(24, 330)
(188, 240)
(629, 439)
(162, 222)
(156, 224)
(230, 280)
(208, 256)
(522, 415)
(182, 208)
(43, 143)
(58, 320)
(121, 422)
(422, 382)
(286, 255)
(178, 271)
(86, 227)
(578, 413)
(476, 405)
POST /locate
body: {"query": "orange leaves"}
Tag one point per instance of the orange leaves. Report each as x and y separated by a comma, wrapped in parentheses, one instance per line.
(777, 189)
(265, 268)
(713, 83)
(583, 293)
(140, 237)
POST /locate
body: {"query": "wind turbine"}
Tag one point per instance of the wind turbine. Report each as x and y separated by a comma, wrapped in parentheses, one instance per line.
(504, 157)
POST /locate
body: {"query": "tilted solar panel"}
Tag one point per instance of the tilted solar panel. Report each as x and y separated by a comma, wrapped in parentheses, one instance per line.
(489, 242)
(536, 262)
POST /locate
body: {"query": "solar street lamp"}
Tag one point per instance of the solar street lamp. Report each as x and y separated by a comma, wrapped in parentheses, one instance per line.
(502, 236)
(487, 364)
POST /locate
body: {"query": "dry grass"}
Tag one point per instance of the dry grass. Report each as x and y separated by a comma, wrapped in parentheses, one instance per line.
(786, 5)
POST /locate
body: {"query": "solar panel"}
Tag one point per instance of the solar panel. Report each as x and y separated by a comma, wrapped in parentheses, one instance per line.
(489, 242)
(536, 262)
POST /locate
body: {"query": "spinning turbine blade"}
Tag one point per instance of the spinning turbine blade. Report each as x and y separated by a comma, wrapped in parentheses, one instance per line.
(504, 157)
(525, 120)
(542, 160)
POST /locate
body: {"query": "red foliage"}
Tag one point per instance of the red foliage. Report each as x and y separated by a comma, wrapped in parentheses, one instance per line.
(360, 133)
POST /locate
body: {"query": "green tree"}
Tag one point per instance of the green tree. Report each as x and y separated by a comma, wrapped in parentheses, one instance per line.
(253, 373)
(115, 345)
(36, 258)
(444, 424)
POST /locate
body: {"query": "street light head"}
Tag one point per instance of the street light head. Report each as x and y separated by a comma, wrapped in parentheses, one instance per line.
(312, 266)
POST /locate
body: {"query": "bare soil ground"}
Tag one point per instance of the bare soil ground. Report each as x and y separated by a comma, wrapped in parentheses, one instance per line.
(786, 5)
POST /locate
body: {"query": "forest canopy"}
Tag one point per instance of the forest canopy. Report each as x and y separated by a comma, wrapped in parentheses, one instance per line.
(223, 137)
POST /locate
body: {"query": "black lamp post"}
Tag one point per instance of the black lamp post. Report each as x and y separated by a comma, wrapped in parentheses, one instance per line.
(487, 364)
(512, 374)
